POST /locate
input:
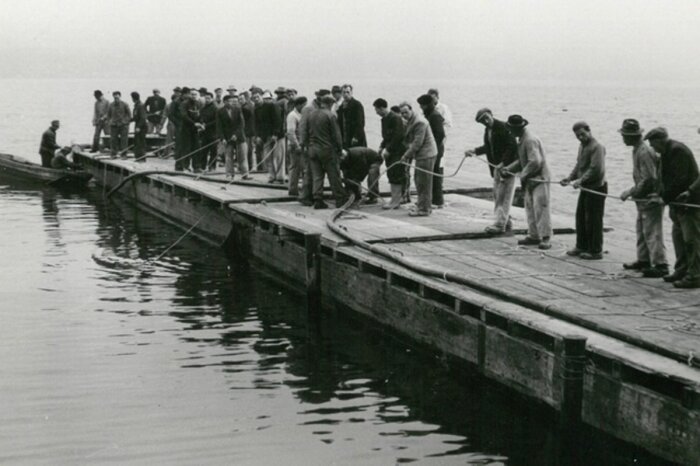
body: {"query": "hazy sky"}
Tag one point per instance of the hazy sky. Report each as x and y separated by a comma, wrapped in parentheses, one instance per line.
(300, 39)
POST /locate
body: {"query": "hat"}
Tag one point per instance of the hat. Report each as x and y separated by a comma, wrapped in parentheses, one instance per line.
(281, 90)
(630, 127)
(657, 133)
(156, 90)
(185, 90)
(177, 89)
(255, 90)
(516, 121)
(322, 92)
(98, 93)
(291, 90)
(425, 99)
(267, 95)
(300, 100)
(481, 112)
(203, 90)
(232, 88)
(335, 89)
(327, 100)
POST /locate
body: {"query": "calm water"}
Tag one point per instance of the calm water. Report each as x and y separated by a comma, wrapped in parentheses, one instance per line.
(190, 360)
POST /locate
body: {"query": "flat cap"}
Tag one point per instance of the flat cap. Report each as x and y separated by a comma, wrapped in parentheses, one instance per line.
(481, 112)
(657, 133)
(425, 99)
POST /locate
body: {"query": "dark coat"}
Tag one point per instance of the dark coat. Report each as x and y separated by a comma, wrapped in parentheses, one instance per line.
(248, 110)
(269, 121)
(356, 165)
(139, 115)
(679, 173)
(504, 149)
(48, 143)
(393, 132)
(155, 105)
(351, 119)
(437, 126)
(229, 125)
(208, 116)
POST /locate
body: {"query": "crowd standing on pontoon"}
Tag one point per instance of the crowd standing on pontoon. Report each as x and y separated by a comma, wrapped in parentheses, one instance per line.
(302, 142)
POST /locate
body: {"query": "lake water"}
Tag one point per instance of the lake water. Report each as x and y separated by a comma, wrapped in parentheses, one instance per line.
(107, 357)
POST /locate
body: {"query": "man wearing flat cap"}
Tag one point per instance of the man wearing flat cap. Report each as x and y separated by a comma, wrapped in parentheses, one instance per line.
(155, 106)
(437, 126)
(501, 149)
(306, 190)
(269, 129)
(534, 177)
(680, 183)
(651, 252)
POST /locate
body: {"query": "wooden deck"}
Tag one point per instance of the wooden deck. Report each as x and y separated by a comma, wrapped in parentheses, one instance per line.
(642, 381)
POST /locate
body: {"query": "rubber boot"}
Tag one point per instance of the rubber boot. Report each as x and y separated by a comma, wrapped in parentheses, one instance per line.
(396, 197)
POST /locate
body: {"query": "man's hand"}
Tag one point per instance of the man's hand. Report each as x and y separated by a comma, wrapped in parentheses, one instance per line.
(576, 184)
(683, 197)
(469, 153)
(625, 195)
(503, 171)
(234, 138)
(273, 139)
(565, 182)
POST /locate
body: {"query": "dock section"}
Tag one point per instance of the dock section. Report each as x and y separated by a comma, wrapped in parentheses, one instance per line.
(599, 346)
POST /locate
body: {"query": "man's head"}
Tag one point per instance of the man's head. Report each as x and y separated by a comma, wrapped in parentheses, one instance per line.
(426, 102)
(117, 96)
(256, 97)
(281, 92)
(326, 101)
(229, 100)
(97, 94)
(631, 132)
(55, 124)
(208, 98)
(406, 110)
(231, 89)
(381, 107)
(485, 117)
(218, 92)
(177, 91)
(291, 93)
(156, 92)
(347, 92)
(135, 96)
(434, 94)
(657, 137)
(582, 132)
(299, 103)
(194, 95)
(337, 93)
(321, 93)
(242, 98)
(516, 125)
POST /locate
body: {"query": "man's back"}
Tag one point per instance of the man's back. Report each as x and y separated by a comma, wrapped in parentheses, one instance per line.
(323, 130)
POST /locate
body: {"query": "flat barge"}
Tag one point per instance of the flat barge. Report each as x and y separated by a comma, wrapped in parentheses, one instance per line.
(599, 346)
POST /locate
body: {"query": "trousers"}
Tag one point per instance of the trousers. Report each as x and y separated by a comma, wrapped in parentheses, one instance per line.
(275, 159)
(650, 234)
(539, 222)
(324, 162)
(99, 128)
(119, 138)
(503, 192)
(424, 183)
(295, 170)
(686, 240)
(236, 154)
(589, 220)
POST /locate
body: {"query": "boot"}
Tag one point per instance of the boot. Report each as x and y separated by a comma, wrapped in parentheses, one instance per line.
(396, 194)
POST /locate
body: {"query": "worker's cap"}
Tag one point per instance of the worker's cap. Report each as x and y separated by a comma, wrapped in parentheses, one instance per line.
(336, 89)
(425, 99)
(481, 112)
(657, 133)
(281, 90)
(322, 92)
(267, 95)
(177, 89)
(516, 121)
(300, 100)
(231, 88)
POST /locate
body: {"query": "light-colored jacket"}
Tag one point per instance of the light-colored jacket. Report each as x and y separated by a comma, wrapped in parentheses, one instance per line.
(531, 161)
(419, 139)
(100, 113)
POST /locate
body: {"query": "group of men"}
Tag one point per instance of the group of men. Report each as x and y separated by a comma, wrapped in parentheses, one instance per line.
(664, 172)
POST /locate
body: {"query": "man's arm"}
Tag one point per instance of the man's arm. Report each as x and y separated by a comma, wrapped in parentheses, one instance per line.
(534, 158)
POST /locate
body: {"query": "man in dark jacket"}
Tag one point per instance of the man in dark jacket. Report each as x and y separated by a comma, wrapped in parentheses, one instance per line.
(188, 134)
(230, 126)
(206, 159)
(589, 173)
(680, 185)
(269, 128)
(437, 126)
(391, 149)
(351, 119)
(48, 144)
(501, 150)
(248, 110)
(140, 127)
(357, 163)
(155, 106)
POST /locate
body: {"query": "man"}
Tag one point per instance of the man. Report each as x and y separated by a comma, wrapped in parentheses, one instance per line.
(60, 160)
(306, 191)
(351, 118)
(188, 135)
(588, 173)
(322, 135)
(206, 158)
(441, 108)
(436, 122)
(651, 252)
(99, 119)
(501, 149)
(119, 117)
(291, 97)
(203, 91)
(248, 110)
(269, 129)
(155, 107)
(421, 146)
(534, 174)
(680, 183)
(140, 127)
(358, 163)
(172, 114)
(48, 145)
(337, 93)
(256, 102)
(391, 149)
(219, 98)
(230, 125)
(293, 145)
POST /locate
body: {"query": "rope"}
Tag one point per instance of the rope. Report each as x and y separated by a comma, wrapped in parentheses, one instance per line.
(150, 154)
(197, 150)
(179, 239)
(265, 157)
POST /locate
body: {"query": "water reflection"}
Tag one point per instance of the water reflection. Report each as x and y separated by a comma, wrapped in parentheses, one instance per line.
(195, 359)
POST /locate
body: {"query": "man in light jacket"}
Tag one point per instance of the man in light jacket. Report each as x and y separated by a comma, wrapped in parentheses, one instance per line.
(99, 119)
(421, 147)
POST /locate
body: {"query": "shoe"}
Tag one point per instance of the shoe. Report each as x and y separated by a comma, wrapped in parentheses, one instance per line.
(675, 276)
(574, 252)
(545, 244)
(320, 205)
(528, 241)
(509, 225)
(418, 213)
(687, 282)
(371, 201)
(657, 271)
(494, 230)
(306, 203)
(638, 265)
(590, 256)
